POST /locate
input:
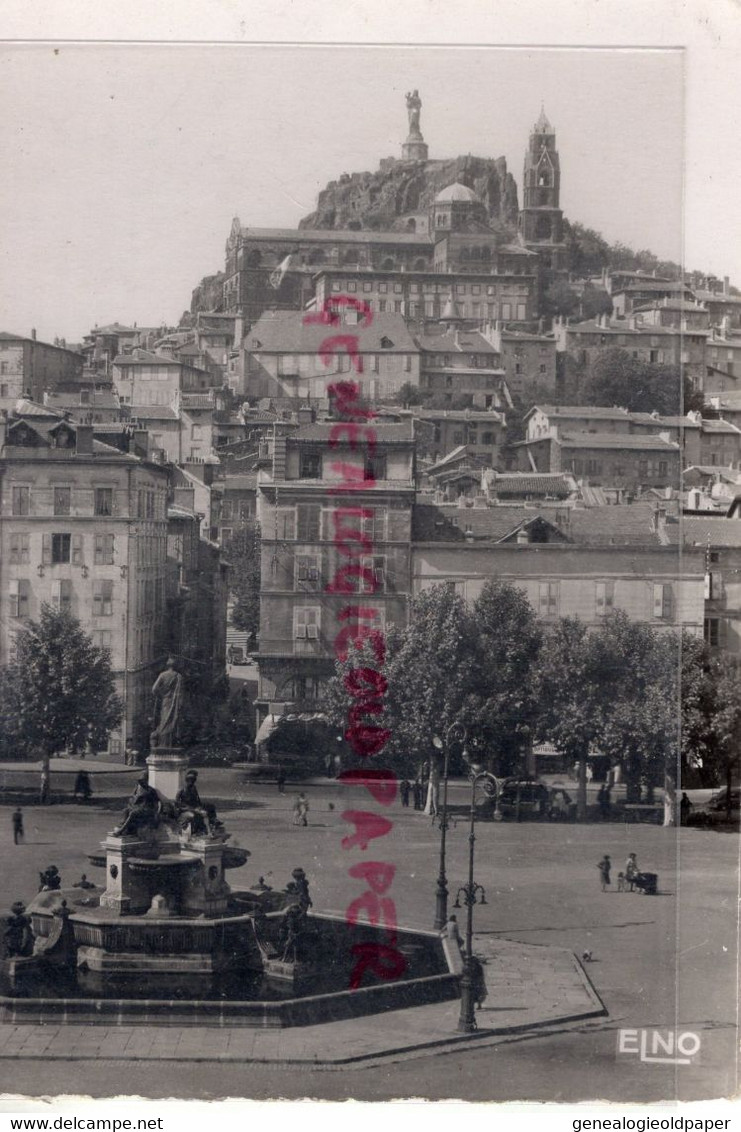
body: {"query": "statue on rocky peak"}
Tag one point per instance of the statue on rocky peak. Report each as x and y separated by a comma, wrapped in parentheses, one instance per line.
(414, 105)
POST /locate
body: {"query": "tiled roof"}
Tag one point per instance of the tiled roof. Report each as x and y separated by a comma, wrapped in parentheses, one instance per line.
(663, 422)
(111, 427)
(152, 413)
(489, 415)
(145, 358)
(711, 425)
(579, 412)
(714, 297)
(385, 433)
(719, 532)
(468, 341)
(337, 236)
(650, 284)
(24, 407)
(617, 440)
(621, 525)
(285, 332)
(523, 483)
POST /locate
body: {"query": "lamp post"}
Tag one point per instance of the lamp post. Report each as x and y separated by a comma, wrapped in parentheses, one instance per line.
(473, 893)
(441, 893)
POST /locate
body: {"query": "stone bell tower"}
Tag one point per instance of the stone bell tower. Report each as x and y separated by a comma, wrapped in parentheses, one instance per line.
(415, 147)
(541, 218)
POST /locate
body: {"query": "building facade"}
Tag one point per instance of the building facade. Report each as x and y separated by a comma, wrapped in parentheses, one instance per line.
(29, 368)
(84, 527)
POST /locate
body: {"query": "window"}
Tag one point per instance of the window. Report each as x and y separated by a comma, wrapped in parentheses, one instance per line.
(397, 306)
(383, 288)
(521, 312)
(543, 368)
(381, 305)
(367, 287)
(104, 548)
(351, 286)
(19, 590)
(604, 597)
(374, 468)
(458, 437)
(713, 586)
(61, 593)
(398, 288)
(57, 549)
(377, 567)
(374, 360)
(307, 573)
(103, 597)
(104, 501)
(19, 553)
(20, 497)
(506, 310)
(548, 599)
(102, 639)
(226, 509)
(662, 602)
(4, 388)
(374, 526)
(62, 500)
(310, 466)
(306, 621)
(309, 519)
(711, 631)
(285, 522)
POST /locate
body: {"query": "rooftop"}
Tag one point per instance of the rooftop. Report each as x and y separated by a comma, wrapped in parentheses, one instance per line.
(462, 342)
(400, 433)
(456, 192)
(617, 441)
(286, 332)
(335, 236)
(705, 530)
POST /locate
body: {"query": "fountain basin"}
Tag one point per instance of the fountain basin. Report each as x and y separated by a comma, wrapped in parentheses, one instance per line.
(243, 997)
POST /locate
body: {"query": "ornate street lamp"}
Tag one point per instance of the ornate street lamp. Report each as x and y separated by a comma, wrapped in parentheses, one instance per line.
(473, 893)
(456, 730)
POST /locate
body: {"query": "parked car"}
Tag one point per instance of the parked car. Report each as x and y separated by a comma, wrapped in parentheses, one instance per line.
(718, 800)
(524, 799)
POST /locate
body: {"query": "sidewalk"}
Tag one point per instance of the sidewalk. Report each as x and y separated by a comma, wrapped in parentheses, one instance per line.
(530, 987)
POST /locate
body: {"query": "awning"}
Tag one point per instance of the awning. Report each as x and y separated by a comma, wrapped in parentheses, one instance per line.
(270, 722)
(267, 727)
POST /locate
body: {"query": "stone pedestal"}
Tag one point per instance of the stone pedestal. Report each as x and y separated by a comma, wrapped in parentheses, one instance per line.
(414, 148)
(206, 891)
(126, 891)
(167, 767)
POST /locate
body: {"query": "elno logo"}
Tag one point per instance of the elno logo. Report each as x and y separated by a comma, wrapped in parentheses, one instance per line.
(667, 1047)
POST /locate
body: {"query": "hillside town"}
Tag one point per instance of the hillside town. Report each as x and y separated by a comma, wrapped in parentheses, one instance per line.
(400, 575)
(527, 390)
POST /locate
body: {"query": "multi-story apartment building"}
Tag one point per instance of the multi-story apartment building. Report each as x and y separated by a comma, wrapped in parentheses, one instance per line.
(28, 368)
(300, 554)
(718, 539)
(528, 360)
(145, 378)
(504, 290)
(282, 359)
(618, 461)
(84, 527)
(439, 431)
(657, 344)
(569, 562)
(455, 362)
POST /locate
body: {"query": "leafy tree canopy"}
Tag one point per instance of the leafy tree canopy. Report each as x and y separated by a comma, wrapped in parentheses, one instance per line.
(58, 692)
(242, 552)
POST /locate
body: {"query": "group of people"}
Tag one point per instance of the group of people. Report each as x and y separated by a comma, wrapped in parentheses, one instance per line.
(626, 880)
(413, 790)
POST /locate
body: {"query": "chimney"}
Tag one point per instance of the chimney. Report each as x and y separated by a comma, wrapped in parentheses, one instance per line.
(33, 333)
(522, 537)
(84, 440)
(726, 285)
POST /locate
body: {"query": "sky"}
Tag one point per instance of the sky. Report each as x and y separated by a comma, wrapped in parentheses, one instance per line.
(129, 161)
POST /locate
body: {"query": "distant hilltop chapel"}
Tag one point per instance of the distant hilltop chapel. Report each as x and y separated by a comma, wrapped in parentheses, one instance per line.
(420, 216)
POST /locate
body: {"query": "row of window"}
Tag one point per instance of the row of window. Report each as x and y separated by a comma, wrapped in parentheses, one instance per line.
(20, 500)
(62, 593)
(58, 549)
(647, 469)
(310, 522)
(308, 574)
(291, 365)
(350, 286)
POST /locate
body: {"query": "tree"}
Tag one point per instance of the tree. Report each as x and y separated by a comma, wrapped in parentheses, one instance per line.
(507, 644)
(594, 302)
(711, 713)
(431, 677)
(640, 712)
(58, 692)
(587, 251)
(242, 552)
(410, 395)
(560, 299)
(616, 378)
(570, 685)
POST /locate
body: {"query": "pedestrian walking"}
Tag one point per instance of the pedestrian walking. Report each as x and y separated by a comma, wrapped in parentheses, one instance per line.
(17, 825)
(404, 791)
(44, 788)
(417, 794)
(451, 932)
(301, 810)
(685, 808)
(603, 801)
(604, 867)
(281, 780)
(478, 981)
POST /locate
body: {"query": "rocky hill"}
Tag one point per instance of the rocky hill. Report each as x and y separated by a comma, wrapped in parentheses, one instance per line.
(208, 295)
(383, 200)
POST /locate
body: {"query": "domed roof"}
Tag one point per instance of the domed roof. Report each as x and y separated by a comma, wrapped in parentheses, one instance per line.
(456, 191)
